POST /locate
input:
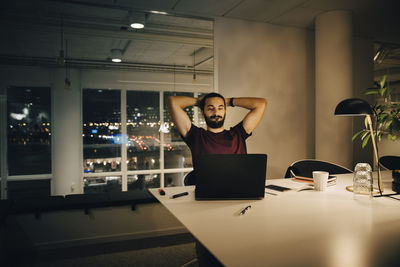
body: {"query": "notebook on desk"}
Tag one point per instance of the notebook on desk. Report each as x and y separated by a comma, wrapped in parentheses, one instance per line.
(230, 176)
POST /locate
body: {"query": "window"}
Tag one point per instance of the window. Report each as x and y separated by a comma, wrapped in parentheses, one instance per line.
(126, 133)
(143, 124)
(102, 184)
(143, 181)
(29, 130)
(102, 139)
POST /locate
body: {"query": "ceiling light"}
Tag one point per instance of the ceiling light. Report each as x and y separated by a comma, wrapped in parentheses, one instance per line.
(137, 20)
(116, 55)
(158, 12)
(137, 25)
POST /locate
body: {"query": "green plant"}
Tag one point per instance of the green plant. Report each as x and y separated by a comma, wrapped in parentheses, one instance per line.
(386, 113)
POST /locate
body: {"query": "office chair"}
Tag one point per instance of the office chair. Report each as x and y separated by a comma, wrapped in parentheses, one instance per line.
(190, 179)
(390, 162)
(305, 168)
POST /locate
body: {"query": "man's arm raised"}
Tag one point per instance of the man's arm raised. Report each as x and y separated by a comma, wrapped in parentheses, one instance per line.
(176, 106)
(255, 105)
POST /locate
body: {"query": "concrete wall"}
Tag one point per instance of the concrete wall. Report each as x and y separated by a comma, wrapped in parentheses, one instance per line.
(277, 63)
(363, 78)
(67, 134)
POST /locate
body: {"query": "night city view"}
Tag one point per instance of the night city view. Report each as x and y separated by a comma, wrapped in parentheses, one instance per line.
(29, 137)
(102, 139)
(29, 131)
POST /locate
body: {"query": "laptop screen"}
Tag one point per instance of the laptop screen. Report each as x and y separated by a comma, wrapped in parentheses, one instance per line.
(230, 176)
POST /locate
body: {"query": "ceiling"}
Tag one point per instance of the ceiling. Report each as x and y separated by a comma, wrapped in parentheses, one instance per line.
(87, 30)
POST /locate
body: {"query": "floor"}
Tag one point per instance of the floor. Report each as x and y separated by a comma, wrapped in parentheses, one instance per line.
(168, 256)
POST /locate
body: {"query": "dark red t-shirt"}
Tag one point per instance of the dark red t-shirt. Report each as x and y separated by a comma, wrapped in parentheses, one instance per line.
(201, 141)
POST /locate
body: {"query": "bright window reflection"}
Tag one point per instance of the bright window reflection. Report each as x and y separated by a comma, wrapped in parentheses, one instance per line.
(29, 130)
(143, 123)
(101, 130)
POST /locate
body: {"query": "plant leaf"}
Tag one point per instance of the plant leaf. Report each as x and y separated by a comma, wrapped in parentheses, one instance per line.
(366, 122)
(364, 143)
(366, 133)
(382, 81)
(382, 91)
(356, 134)
(371, 93)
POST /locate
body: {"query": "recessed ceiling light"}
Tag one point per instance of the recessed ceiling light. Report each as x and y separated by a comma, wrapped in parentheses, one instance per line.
(137, 25)
(137, 20)
(158, 12)
(116, 55)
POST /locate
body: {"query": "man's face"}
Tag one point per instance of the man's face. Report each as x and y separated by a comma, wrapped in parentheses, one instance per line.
(214, 112)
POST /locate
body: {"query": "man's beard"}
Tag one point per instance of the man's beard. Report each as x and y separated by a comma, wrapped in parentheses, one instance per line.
(214, 124)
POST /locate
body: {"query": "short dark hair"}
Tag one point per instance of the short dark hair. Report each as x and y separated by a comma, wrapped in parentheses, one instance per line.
(210, 95)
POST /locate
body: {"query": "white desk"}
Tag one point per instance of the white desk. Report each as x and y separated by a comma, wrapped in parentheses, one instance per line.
(307, 228)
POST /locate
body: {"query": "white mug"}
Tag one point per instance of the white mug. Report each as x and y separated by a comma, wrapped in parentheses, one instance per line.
(320, 180)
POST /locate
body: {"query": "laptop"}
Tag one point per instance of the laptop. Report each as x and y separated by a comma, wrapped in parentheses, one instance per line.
(230, 176)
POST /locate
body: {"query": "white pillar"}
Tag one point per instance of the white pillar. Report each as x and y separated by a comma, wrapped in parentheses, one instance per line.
(334, 82)
(67, 135)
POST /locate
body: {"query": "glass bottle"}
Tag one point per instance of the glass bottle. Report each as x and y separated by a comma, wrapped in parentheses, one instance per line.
(362, 180)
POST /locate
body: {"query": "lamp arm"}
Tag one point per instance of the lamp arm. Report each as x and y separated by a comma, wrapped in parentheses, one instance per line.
(375, 153)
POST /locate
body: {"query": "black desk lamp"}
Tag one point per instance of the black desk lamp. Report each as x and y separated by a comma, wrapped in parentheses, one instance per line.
(359, 107)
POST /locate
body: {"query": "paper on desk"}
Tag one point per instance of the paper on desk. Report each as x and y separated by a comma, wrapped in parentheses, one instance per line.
(294, 185)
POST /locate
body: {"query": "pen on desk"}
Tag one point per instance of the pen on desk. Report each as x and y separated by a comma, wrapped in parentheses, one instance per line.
(180, 194)
(245, 209)
(270, 193)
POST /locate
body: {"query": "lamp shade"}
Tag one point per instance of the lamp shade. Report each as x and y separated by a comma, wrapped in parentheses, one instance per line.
(353, 107)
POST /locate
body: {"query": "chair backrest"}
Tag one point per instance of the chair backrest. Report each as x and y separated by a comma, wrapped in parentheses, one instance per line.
(390, 162)
(307, 166)
(190, 179)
